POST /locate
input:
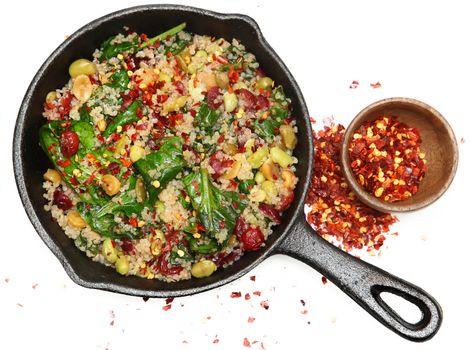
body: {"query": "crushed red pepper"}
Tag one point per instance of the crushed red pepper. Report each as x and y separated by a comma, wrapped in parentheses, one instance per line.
(333, 209)
(386, 158)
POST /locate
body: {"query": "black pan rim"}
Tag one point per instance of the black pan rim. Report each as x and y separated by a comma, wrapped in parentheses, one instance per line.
(18, 163)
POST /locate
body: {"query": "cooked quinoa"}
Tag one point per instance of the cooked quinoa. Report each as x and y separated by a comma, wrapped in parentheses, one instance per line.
(172, 156)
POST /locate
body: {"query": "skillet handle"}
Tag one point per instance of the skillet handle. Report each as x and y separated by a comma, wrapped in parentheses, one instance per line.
(363, 282)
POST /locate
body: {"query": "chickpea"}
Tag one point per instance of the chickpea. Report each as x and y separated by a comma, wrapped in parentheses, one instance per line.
(108, 251)
(257, 158)
(264, 83)
(230, 102)
(288, 179)
(140, 193)
(110, 184)
(51, 96)
(239, 85)
(203, 268)
(82, 88)
(289, 139)
(280, 157)
(221, 78)
(81, 66)
(271, 191)
(270, 170)
(75, 220)
(101, 124)
(230, 148)
(233, 171)
(156, 247)
(53, 176)
(136, 153)
(122, 265)
(257, 195)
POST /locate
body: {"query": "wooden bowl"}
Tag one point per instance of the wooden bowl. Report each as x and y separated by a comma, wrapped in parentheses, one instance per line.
(438, 143)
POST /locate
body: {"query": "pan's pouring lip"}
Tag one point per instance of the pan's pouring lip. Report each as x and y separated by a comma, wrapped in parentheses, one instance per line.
(18, 149)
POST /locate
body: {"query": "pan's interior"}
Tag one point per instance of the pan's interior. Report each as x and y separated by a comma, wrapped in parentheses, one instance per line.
(30, 162)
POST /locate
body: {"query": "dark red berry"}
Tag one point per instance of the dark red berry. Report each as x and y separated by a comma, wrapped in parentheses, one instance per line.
(252, 239)
(61, 200)
(270, 212)
(69, 143)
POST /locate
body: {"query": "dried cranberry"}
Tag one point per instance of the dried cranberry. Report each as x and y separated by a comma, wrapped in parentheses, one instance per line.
(262, 102)
(241, 226)
(220, 164)
(69, 143)
(212, 94)
(114, 168)
(248, 100)
(179, 87)
(286, 201)
(127, 246)
(61, 200)
(252, 239)
(270, 212)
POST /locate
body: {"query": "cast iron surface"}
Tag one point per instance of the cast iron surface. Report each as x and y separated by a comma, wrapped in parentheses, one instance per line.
(361, 281)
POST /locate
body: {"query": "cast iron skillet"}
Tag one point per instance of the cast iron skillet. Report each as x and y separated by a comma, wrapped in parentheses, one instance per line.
(362, 282)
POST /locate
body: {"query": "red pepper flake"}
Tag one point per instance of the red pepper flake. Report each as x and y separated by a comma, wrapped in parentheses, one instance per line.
(323, 279)
(334, 210)
(34, 285)
(216, 340)
(354, 84)
(302, 302)
(246, 342)
(386, 159)
(265, 304)
(247, 296)
(166, 307)
(20, 305)
(376, 85)
(169, 300)
(257, 292)
(7, 280)
(236, 295)
(251, 319)
(253, 278)
(304, 312)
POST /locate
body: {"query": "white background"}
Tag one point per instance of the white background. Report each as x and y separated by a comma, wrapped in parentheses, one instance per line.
(417, 49)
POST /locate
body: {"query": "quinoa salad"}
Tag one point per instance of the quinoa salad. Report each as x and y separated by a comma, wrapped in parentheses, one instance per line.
(170, 156)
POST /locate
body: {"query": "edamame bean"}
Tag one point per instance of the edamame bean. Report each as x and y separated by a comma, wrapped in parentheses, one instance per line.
(108, 251)
(280, 157)
(82, 66)
(264, 83)
(203, 268)
(122, 265)
(230, 102)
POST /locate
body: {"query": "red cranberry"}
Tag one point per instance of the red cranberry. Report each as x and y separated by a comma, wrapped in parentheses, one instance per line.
(270, 212)
(252, 239)
(61, 200)
(286, 201)
(69, 143)
(114, 168)
(247, 98)
(212, 94)
(261, 102)
(127, 246)
(241, 226)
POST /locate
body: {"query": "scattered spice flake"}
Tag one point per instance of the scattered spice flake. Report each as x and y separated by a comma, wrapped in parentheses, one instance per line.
(328, 121)
(304, 312)
(265, 304)
(236, 295)
(7, 280)
(169, 300)
(251, 319)
(261, 346)
(462, 140)
(253, 278)
(257, 293)
(166, 307)
(145, 299)
(312, 120)
(333, 209)
(246, 343)
(34, 285)
(302, 302)
(376, 85)
(20, 305)
(247, 296)
(424, 237)
(185, 342)
(354, 84)
(324, 280)
(111, 323)
(216, 340)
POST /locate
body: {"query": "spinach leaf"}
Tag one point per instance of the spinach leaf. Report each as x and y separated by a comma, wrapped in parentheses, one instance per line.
(203, 245)
(162, 166)
(206, 117)
(129, 116)
(85, 133)
(175, 259)
(246, 186)
(266, 129)
(109, 50)
(85, 114)
(216, 209)
(119, 80)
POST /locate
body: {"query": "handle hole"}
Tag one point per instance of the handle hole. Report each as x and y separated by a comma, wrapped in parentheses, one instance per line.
(408, 311)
